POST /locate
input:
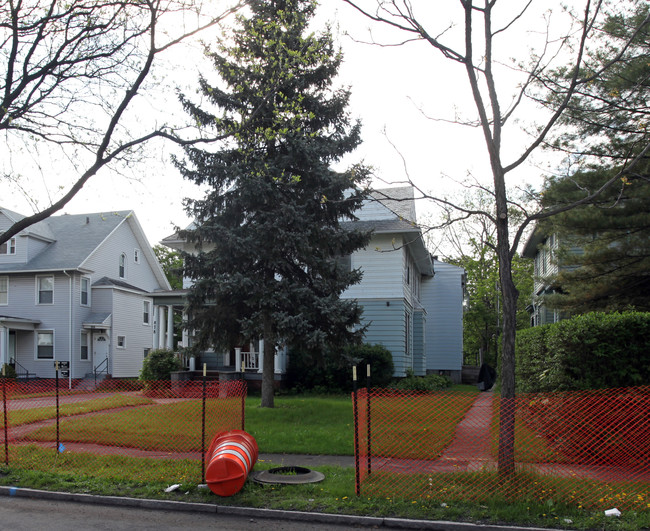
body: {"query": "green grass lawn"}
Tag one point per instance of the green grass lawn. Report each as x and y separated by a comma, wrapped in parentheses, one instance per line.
(313, 425)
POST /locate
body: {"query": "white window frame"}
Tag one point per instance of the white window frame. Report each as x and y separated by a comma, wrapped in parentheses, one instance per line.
(146, 313)
(84, 335)
(122, 340)
(9, 247)
(38, 290)
(4, 290)
(37, 357)
(81, 291)
(121, 267)
(136, 255)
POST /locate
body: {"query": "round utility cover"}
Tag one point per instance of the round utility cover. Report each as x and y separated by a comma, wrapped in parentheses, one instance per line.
(288, 475)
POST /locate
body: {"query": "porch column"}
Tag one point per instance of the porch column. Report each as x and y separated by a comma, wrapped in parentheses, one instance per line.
(170, 327)
(238, 359)
(185, 337)
(4, 346)
(161, 327)
(260, 362)
(156, 327)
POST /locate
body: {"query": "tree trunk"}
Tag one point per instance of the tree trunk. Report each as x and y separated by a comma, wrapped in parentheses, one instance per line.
(506, 457)
(268, 368)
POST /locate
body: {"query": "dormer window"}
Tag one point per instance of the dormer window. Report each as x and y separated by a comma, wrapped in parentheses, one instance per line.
(122, 268)
(8, 247)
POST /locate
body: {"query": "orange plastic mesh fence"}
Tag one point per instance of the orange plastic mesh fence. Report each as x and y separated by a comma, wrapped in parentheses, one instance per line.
(588, 449)
(126, 419)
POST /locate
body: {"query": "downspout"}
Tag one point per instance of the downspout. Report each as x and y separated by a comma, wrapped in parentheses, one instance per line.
(71, 340)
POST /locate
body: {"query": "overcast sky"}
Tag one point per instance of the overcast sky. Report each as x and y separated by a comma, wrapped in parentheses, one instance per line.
(405, 97)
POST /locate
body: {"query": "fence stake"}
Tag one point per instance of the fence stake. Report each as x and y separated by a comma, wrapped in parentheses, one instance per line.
(6, 420)
(357, 483)
(243, 406)
(368, 424)
(56, 378)
(203, 428)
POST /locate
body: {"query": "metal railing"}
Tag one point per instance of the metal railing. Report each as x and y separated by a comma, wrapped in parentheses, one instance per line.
(102, 368)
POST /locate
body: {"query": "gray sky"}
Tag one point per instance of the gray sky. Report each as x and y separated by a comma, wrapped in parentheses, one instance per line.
(405, 96)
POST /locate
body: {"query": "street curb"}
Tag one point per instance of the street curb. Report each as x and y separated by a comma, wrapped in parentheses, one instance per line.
(334, 519)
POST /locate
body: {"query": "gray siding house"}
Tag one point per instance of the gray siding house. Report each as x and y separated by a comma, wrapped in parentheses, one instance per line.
(409, 307)
(79, 288)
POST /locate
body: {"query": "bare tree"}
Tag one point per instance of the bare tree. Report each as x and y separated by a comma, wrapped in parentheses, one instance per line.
(482, 26)
(69, 76)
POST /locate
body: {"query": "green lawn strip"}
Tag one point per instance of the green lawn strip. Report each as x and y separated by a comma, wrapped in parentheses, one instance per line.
(417, 427)
(165, 427)
(303, 425)
(18, 417)
(136, 477)
(530, 446)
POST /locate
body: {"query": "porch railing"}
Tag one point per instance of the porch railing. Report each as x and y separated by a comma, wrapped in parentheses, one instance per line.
(21, 372)
(102, 368)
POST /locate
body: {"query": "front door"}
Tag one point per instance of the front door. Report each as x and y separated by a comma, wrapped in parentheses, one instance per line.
(100, 351)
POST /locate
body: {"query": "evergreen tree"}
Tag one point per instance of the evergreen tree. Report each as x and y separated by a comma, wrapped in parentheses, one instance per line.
(604, 246)
(269, 225)
(606, 243)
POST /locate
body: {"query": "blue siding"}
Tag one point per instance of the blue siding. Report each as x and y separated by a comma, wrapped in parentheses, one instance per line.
(387, 327)
(419, 354)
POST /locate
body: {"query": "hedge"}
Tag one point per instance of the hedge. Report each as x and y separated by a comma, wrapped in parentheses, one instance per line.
(592, 351)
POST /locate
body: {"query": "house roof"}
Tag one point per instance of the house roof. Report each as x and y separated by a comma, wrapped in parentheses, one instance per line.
(105, 281)
(73, 238)
(535, 239)
(400, 201)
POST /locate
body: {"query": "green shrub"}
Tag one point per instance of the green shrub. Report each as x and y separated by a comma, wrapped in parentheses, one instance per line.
(592, 351)
(431, 382)
(332, 372)
(8, 371)
(159, 365)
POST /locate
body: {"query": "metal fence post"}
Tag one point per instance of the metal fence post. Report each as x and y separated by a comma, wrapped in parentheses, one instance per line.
(357, 482)
(56, 378)
(368, 423)
(203, 427)
(6, 420)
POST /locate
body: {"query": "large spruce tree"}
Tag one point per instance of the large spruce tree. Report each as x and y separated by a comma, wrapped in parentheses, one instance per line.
(269, 227)
(606, 243)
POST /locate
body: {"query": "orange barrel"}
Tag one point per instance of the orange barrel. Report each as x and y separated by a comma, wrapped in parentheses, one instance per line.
(232, 456)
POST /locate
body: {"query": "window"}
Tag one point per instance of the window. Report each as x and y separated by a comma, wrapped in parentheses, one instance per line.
(83, 349)
(136, 256)
(146, 352)
(121, 341)
(45, 288)
(4, 290)
(45, 345)
(85, 291)
(122, 269)
(145, 312)
(8, 247)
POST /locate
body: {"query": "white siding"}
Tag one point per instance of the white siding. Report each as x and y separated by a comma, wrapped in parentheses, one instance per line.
(104, 262)
(127, 362)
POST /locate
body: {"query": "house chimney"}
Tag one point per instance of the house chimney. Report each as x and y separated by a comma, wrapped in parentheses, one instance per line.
(87, 220)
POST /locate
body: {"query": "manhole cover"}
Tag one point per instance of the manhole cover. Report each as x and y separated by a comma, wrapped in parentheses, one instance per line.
(288, 475)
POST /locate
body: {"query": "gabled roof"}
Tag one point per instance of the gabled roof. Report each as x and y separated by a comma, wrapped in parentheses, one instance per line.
(73, 239)
(400, 201)
(535, 239)
(111, 282)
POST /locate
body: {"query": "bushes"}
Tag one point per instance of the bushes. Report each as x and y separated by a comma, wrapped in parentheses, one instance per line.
(159, 365)
(332, 372)
(431, 382)
(8, 371)
(591, 351)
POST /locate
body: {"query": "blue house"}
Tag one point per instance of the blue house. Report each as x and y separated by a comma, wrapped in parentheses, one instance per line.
(412, 304)
(80, 289)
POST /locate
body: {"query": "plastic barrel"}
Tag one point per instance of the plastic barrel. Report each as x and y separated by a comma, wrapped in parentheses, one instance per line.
(232, 456)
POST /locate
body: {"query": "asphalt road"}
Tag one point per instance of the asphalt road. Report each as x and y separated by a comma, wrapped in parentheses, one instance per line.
(29, 514)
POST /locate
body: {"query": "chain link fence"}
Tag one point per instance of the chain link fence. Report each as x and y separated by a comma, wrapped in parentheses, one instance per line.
(44, 422)
(589, 449)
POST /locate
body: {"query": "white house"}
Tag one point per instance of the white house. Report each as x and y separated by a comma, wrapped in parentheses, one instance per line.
(80, 289)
